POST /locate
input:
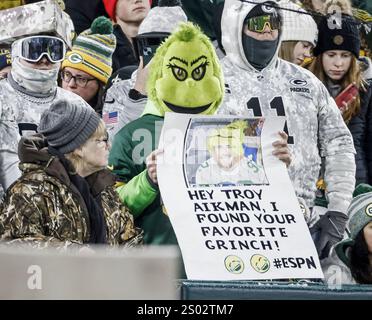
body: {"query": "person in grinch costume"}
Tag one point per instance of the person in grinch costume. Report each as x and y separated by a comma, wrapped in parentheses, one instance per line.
(185, 77)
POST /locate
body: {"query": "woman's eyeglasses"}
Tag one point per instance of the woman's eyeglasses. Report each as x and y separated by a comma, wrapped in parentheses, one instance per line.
(104, 141)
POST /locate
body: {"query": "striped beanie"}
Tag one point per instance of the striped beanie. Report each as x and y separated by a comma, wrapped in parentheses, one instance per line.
(110, 7)
(92, 50)
(360, 214)
(297, 26)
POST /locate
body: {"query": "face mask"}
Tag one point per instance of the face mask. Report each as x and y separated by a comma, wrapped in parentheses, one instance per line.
(259, 53)
(34, 80)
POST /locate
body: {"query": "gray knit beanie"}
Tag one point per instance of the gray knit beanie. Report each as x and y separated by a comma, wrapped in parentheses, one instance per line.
(67, 125)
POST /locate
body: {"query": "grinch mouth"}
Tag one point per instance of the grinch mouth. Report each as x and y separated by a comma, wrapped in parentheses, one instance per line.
(178, 109)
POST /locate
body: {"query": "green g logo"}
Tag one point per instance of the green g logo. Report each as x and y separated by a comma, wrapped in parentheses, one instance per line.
(369, 210)
(75, 58)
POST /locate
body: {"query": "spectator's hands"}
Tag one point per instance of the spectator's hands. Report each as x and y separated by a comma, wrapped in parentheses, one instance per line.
(281, 149)
(4, 72)
(151, 162)
(346, 105)
(328, 231)
(142, 76)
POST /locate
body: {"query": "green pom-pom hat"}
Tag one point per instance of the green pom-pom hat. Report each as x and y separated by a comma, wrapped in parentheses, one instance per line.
(101, 25)
(92, 50)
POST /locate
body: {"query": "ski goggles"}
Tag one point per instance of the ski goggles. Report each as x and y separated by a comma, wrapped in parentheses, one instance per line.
(33, 49)
(145, 45)
(258, 24)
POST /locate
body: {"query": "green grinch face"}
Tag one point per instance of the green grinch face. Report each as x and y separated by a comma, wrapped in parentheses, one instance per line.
(188, 83)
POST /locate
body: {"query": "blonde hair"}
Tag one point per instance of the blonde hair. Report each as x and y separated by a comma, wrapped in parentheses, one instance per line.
(344, 5)
(76, 160)
(353, 75)
(286, 50)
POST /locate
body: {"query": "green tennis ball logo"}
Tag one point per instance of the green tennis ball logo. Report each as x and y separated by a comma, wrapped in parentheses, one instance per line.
(234, 264)
(260, 263)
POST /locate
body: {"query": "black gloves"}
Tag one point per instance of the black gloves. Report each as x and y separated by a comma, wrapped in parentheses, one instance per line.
(328, 231)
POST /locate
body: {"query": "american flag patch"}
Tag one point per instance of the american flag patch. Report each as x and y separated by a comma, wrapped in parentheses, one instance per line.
(111, 117)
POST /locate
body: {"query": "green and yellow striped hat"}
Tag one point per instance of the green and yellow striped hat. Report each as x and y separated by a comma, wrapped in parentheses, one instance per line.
(92, 50)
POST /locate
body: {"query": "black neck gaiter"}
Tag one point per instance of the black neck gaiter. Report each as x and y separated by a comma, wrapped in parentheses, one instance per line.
(259, 53)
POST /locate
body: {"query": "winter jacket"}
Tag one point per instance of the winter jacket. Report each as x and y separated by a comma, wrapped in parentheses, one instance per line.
(360, 127)
(124, 53)
(119, 108)
(314, 123)
(336, 273)
(19, 116)
(43, 208)
(367, 98)
(132, 144)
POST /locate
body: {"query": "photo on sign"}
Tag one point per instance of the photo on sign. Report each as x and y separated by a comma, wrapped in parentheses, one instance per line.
(224, 152)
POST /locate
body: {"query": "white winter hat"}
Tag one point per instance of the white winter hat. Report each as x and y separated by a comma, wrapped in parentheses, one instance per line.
(162, 19)
(297, 26)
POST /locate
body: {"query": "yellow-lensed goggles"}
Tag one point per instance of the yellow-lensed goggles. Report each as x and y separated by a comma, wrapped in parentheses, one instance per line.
(258, 24)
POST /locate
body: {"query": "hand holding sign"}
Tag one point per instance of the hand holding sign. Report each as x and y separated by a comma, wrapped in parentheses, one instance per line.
(282, 150)
(151, 162)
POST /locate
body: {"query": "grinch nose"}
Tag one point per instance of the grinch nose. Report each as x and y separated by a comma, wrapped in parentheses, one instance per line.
(190, 82)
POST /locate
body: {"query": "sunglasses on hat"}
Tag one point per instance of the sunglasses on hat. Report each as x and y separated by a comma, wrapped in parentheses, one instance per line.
(258, 24)
(33, 49)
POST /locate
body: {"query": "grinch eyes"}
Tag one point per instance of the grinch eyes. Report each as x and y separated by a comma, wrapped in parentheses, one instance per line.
(181, 74)
(199, 72)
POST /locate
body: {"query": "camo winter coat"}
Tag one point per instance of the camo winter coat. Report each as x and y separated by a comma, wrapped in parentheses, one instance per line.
(43, 208)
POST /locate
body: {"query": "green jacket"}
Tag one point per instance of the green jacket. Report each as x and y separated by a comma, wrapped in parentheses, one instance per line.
(131, 145)
(42, 208)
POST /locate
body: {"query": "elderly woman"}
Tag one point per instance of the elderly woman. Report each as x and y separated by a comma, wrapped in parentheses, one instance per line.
(65, 195)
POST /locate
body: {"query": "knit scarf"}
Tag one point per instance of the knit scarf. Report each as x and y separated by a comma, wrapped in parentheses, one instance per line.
(95, 209)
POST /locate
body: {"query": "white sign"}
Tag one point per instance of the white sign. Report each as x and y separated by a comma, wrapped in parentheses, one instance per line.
(231, 202)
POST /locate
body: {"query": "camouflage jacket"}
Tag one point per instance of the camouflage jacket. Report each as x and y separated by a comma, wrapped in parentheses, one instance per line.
(19, 116)
(43, 208)
(314, 123)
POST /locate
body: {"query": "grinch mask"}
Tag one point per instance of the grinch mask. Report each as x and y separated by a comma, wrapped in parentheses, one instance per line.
(185, 74)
